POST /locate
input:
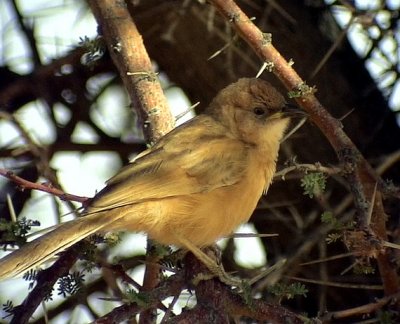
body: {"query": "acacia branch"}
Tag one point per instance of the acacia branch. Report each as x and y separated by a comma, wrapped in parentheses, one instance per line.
(45, 187)
(45, 282)
(361, 310)
(360, 176)
(214, 298)
(125, 45)
(129, 55)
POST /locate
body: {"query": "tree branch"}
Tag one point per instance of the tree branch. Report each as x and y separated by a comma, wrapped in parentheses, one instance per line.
(25, 184)
(129, 55)
(44, 283)
(359, 174)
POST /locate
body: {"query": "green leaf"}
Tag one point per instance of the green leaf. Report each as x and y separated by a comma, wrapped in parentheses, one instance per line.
(314, 184)
(288, 291)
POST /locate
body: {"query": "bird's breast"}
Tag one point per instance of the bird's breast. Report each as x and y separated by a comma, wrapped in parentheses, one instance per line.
(205, 217)
(202, 217)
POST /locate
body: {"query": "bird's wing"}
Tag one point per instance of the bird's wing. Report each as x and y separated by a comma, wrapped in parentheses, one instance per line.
(197, 157)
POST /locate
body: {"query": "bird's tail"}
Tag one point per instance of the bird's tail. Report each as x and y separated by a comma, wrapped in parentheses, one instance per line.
(45, 247)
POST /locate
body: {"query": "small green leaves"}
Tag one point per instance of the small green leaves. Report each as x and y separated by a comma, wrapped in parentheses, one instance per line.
(302, 90)
(8, 308)
(337, 225)
(386, 317)
(365, 268)
(49, 296)
(95, 49)
(284, 291)
(327, 217)
(142, 300)
(333, 237)
(30, 275)
(70, 284)
(113, 239)
(314, 184)
(15, 232)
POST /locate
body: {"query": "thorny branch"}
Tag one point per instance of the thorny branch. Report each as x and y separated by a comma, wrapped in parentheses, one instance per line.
(129, 55)
(45, 282)
(214, 298)
(125, 44)
(360, 176)
(28, 185)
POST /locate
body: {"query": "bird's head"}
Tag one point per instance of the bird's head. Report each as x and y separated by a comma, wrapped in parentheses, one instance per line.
(252, 110)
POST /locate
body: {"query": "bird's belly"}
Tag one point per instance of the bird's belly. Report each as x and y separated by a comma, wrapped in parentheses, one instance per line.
(205, 217)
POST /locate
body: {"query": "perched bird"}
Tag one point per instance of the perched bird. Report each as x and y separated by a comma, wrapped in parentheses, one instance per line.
(195, 185)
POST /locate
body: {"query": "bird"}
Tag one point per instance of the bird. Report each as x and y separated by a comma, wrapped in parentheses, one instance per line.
(198, 183)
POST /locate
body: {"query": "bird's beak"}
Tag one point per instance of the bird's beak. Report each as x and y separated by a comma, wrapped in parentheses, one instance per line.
(290, 110)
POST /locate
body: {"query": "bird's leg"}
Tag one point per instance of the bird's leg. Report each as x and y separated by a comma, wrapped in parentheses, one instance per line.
(215, 269)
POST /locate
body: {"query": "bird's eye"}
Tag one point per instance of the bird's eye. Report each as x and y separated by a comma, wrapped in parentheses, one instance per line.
(259, 111)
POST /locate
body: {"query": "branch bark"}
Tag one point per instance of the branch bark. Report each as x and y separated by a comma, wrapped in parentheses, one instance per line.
(129, 55)
(45, 282)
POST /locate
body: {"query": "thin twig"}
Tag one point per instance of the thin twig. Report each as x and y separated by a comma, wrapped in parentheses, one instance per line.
(25, 184)
(360, 310)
